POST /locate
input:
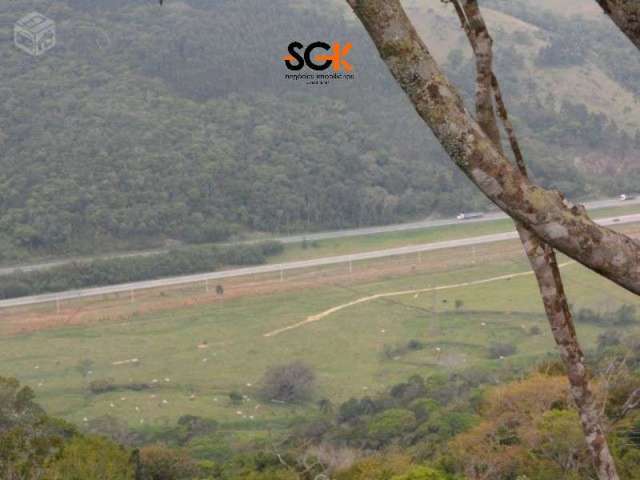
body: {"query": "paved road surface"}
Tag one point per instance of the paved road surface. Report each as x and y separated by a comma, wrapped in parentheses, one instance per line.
(355, 232)
(318, 262)
(423, 224)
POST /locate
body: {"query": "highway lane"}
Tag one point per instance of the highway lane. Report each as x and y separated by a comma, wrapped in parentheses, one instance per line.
(281, 267)
(354, 232)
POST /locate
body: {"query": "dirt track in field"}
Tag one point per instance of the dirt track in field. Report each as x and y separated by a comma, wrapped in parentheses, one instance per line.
(123, 307)
(332, 310)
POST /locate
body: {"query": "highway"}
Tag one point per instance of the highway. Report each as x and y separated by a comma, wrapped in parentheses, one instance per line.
(423, 224)
(354, 232)
(281, 267)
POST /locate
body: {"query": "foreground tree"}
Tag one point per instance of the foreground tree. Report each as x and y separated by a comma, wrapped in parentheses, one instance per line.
(541, 256)
(626, 15)
(546, 213)
(544, 218)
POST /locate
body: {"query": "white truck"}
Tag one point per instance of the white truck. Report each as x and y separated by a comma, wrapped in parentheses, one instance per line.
(625, 196)
(469, 216)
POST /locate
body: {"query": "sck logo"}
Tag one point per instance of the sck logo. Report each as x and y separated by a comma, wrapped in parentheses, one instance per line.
(299, 56)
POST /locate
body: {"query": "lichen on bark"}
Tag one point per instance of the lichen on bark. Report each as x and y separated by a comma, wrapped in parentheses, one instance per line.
(438, 103)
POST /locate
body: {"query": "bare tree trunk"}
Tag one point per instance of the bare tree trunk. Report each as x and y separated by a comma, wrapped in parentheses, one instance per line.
(541, 256)
(626, 15)
(563, 226)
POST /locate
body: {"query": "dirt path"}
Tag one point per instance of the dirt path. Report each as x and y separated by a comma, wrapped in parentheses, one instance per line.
(331, 311)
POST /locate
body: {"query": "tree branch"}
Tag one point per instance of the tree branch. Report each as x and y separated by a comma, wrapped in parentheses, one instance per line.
(541, 256)
(546, 213)
(626, 15)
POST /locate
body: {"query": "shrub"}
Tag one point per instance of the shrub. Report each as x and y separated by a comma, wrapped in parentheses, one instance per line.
(159, 462)
(288, 383)
(354, 408)
(409, 390)
(498, 350)
(84, 367)
(423, 407)
(610, 338)
(235, 398)
(422, 473)
(391, 423)
(376, 468)
(625, 315)
(190, 426)
(271, 248)
(113, 428)
(91, 459)
(103, 385)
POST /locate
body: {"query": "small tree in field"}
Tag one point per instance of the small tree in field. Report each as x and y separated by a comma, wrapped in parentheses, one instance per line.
(288, 383)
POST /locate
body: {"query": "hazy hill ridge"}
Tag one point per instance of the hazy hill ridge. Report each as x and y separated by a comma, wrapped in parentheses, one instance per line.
(148, 123)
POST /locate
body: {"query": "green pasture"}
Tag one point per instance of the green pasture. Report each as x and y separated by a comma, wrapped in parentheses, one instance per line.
(346, 349)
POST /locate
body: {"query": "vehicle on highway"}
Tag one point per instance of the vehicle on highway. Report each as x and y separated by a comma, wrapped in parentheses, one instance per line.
(625, 196)
(469, 216)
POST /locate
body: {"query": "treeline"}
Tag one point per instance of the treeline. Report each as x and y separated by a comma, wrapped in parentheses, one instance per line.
(112, 271)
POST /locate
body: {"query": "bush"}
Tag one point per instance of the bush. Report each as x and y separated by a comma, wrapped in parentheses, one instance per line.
(159, 462)
(91, 459)
(191, 426)
(625, 315)
(376, 468)
(535, 330)
(423, 407)
(103, 385)
(235, 398)
(113, 428)
(422, 473)
(288, 383)
(271, 248)
(500, 350)
(354, 408)
(610, 338)
(391, 423)
(409, 390)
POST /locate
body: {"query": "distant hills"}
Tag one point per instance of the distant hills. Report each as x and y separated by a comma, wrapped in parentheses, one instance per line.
(147, 124)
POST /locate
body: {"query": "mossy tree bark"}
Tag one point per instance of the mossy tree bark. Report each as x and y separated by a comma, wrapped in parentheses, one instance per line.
(626, 15)
(546, 213)
(541, 256)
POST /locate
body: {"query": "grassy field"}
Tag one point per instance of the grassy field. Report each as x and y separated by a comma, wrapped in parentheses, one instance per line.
(345, 348)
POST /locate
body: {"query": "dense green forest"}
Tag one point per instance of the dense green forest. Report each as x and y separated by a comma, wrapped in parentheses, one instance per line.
(146, 124)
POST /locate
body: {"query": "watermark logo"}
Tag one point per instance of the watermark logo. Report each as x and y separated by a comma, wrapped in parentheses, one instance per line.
(319, 57)
(34, 34)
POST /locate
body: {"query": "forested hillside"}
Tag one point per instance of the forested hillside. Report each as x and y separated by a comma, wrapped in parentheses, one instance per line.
(149, 123)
